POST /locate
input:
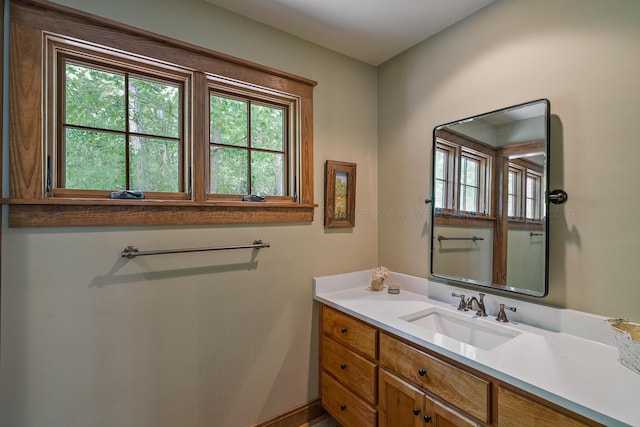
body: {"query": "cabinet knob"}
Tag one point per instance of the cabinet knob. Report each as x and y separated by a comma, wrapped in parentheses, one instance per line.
(343, 407)
(427, 418)
(343, 367)
(343, 330)
(416, 411)
(422, 372)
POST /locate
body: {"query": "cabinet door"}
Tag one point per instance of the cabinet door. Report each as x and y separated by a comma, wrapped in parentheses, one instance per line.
(447, 417)
(400, 404)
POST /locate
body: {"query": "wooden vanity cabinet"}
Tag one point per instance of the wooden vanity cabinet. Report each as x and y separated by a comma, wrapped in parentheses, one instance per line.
(349, 369)
(371, 378)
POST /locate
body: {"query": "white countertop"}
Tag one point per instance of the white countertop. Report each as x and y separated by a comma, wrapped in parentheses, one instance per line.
(569, 358)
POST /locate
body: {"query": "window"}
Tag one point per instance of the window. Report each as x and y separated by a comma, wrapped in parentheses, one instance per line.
(249, 146)
(514, 191)
(119, 127)
(533, 204)
(525, 192)
(462, 179)
(98, 108)
(445, 156)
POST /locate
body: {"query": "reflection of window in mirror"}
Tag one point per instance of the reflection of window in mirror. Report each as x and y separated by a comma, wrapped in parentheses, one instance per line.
(444, 173)
(534, 200)
(474, 181)
(524, 194)
(514, 193)
(462, 179)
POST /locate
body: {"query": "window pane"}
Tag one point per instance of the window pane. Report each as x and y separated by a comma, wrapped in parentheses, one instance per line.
(154, 164)
(154, 108)
(228, 121)
(441, 158)
(469, 171)
(468, 184)
(440, 176)
(511, 192)
(469, 200)
(532, 198)
(94, 98)
(229, 168)
(267, 174)
(439, 196)
(94, 160)
(267, 127)
(531, 187)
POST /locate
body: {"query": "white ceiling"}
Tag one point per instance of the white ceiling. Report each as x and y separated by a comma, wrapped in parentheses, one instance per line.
(372, 31)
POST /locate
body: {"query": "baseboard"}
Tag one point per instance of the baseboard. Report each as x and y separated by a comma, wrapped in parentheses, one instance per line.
(296, 417)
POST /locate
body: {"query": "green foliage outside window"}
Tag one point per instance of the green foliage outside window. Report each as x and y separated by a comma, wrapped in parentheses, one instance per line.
(107, 114)
(247, 147)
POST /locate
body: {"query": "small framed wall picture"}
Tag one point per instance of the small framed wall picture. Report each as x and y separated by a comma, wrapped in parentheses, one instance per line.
(340, 194)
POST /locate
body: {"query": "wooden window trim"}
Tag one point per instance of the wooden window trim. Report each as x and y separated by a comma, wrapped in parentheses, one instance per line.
(28, 204)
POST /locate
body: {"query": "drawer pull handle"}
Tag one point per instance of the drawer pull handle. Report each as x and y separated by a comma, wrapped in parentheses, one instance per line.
(343, 330)
(343, 407)
(416, 411)
(427, 418)
(422, 372)
(343, 367)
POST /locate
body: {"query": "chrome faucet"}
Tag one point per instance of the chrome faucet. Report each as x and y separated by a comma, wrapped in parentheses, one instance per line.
(479, 302)
(463, 305)
(502, 316)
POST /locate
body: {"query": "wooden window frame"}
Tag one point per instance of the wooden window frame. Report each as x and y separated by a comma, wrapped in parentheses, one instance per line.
(62, 50)
(29, 204)
(291, 106)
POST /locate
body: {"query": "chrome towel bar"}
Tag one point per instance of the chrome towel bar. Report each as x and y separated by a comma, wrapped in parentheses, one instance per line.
(474, 238)
(132, 251)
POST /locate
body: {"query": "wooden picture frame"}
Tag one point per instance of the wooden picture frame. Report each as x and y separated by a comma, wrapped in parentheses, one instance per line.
(339, 194)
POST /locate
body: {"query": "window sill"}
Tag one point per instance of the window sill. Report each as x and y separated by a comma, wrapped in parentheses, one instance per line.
(525, 224)
(463, 220)
(101, 212)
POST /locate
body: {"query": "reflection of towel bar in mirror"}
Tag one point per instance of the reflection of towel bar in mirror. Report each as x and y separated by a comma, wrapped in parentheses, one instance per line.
(474, 238)
(535, 234)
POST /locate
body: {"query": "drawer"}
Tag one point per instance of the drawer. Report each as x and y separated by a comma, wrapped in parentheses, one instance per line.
(517, 410)
(455, 386)
(349, 331)
(352, 370)
(344, 406)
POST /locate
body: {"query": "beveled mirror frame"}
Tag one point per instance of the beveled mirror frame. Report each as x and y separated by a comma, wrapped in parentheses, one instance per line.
(493, 218)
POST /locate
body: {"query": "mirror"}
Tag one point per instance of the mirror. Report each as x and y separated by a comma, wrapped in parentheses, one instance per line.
(489, 207)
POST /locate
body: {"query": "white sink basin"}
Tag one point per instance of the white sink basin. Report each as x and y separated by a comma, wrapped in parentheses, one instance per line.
(460, 327)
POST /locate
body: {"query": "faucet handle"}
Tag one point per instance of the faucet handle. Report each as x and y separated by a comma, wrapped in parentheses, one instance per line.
(463, 305)
(502, 316)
